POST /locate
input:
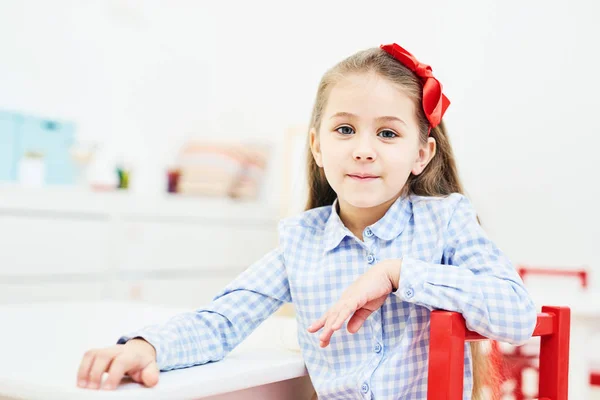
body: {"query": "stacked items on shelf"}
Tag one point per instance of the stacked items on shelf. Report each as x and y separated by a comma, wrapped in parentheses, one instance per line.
(220, 169)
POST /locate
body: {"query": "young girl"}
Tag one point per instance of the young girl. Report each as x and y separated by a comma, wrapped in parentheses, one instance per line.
(387, 237)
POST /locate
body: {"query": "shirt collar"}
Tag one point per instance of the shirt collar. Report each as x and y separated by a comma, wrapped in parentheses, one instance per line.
(335, 231)
(388, 227)
(391, 225)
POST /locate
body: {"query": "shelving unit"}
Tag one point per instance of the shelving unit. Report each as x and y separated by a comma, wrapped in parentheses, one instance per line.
(61, 243)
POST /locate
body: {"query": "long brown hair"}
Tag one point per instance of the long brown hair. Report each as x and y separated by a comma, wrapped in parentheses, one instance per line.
(439, 178)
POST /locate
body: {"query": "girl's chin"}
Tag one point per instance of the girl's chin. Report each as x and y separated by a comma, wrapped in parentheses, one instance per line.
(364, 201)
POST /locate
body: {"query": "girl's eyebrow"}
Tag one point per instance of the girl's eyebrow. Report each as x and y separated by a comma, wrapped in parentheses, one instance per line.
(383, 118)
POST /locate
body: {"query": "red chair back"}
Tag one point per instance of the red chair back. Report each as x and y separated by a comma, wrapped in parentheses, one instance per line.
(448, 335)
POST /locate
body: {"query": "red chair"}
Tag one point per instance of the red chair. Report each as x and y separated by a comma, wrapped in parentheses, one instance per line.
(518, 360)
(446, 353)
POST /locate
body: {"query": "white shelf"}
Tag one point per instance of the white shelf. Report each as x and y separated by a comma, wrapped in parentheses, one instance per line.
(67, 200)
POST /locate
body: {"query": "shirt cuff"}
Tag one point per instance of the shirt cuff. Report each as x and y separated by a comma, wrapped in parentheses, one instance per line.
(152, 338)
(413, 276)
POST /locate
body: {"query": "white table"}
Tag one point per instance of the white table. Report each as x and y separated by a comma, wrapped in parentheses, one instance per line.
(41, 346)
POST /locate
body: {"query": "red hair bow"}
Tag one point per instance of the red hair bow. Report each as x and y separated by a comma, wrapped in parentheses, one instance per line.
(435, 102)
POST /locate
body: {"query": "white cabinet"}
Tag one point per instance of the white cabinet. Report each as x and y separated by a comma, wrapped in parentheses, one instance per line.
(61, 244)
(210, 246)
(31, 244)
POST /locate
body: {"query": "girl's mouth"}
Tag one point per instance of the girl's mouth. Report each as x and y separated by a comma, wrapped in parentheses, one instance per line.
(363, 177)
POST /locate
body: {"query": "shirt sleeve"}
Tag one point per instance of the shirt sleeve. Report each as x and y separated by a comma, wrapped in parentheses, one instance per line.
(475, 279)
(210, 333)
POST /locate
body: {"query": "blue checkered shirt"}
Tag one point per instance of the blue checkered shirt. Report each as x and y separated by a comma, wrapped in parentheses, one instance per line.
(448, 263)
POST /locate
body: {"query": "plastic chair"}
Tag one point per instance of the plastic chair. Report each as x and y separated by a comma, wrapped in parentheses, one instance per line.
(446, 353)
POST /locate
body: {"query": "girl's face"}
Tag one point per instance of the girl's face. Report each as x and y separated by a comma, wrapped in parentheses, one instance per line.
(368, 142)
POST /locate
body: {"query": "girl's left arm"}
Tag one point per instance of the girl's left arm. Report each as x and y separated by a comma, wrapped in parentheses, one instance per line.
(476, 279)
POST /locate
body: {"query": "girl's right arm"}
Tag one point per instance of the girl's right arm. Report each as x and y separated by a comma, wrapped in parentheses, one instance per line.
(197, 337)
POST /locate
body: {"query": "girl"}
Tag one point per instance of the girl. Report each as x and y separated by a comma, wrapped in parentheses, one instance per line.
(387, 237)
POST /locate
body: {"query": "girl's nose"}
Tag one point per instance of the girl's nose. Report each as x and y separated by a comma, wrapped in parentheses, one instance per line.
(364, 152)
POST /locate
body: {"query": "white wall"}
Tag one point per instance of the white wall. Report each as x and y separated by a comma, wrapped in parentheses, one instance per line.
(141, 76)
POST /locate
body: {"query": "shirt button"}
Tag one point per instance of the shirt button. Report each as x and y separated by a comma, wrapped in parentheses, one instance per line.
(364, 388)
(409, 293)
(368, 232)
(370, 258)
(377, 348)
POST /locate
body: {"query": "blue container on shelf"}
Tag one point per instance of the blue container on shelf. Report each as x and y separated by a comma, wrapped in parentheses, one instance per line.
(8, 142)
(53, 139)
(29, 134)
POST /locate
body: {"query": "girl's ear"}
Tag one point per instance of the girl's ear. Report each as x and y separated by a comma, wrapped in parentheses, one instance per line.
(426, 153)
(315, 147)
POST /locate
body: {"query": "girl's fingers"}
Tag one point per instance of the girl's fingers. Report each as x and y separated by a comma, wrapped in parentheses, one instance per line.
(119, 366)
(318, 324)
(331, 321)
(84, 368)
(358, 319)
(343, 315)
(116, 361)
(325, 336)
(328, 330)
(150, 374)
(136, 376)
(101, 363)
(315, 326)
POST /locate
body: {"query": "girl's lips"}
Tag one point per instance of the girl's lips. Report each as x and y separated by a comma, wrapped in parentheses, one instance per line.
(363, 178)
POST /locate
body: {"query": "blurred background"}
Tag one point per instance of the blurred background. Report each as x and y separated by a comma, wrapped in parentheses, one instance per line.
(148, 148)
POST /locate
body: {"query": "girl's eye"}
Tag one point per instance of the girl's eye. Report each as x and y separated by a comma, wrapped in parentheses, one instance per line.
(345, 130)
(387, 134)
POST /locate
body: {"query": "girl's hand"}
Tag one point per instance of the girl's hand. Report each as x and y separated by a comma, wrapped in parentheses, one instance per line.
(365, 295)
(136, 358)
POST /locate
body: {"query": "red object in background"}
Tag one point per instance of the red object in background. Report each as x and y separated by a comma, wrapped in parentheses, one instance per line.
(446, 353)
(515, 363)
(172, 180)
(512, 367)
(581, 273)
